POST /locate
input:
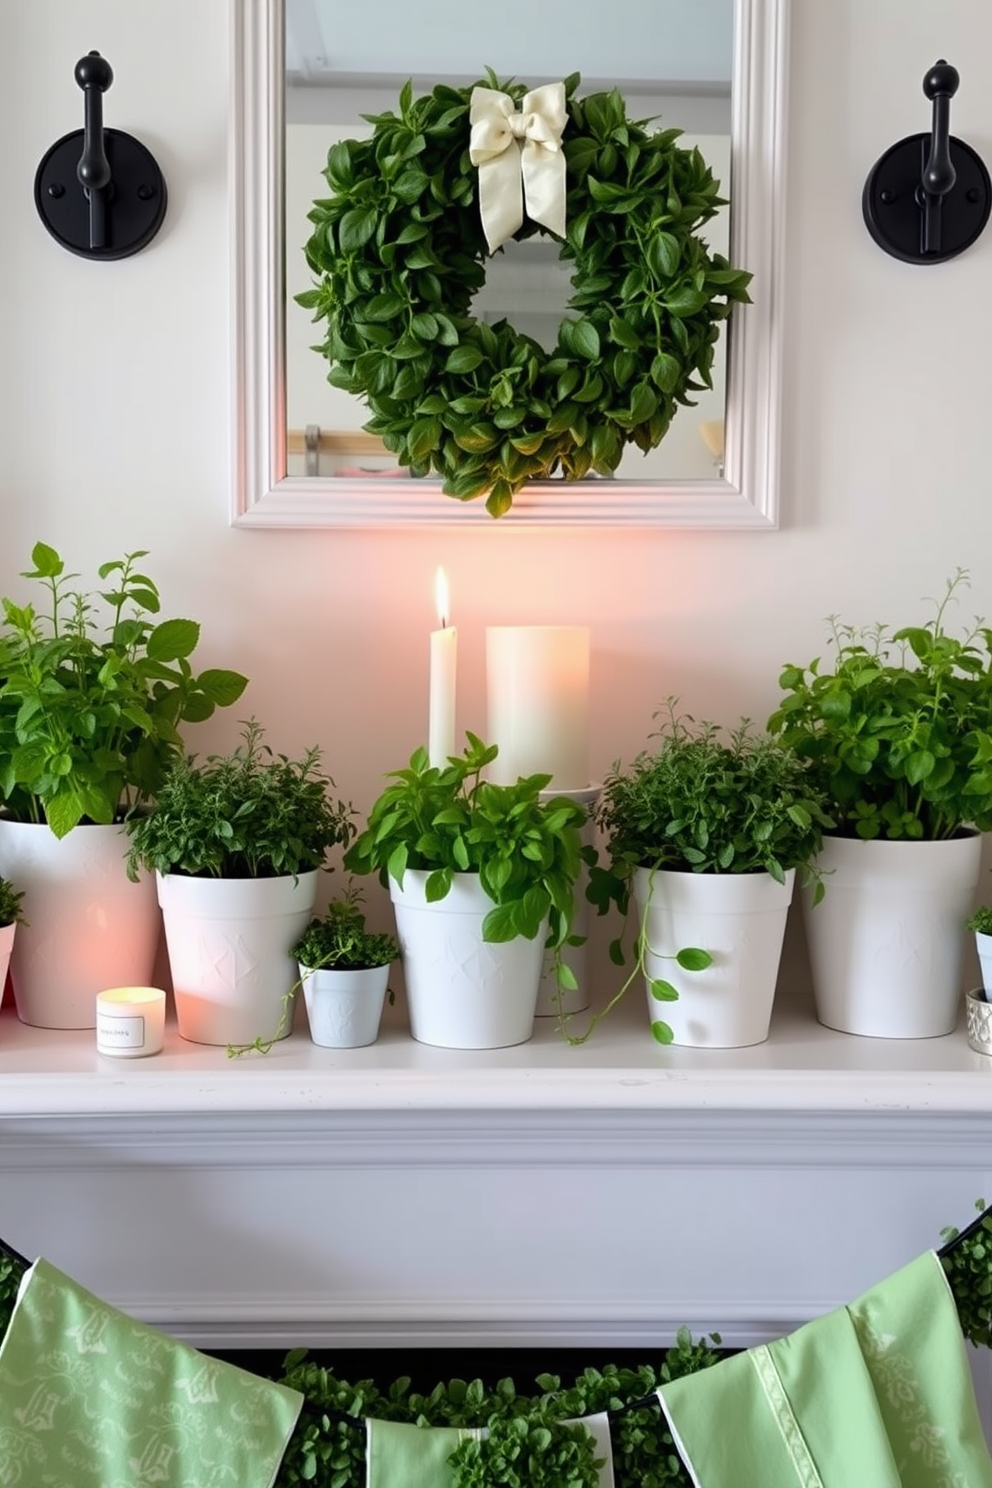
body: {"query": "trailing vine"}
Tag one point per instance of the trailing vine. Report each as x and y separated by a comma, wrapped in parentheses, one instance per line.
(398, 251)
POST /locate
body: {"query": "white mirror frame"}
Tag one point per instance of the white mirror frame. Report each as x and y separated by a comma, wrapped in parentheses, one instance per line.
(747, 496)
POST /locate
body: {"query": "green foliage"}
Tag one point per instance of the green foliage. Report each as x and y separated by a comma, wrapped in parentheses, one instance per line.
(90, 704)
(530, 1442)
(341, 940)
(11, 1272)
(247, 814)
(899, 730)
(968, 1266)
(10, 905)
(980, 921)
(398, 251)
(526, 851)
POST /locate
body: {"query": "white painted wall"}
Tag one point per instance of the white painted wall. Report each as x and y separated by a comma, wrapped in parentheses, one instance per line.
(114, 384)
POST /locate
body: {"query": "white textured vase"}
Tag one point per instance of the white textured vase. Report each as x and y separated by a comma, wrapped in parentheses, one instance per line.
(462, 992)
(886, 943)
(88, 926)
(230, 942)
(344, 1006)
(739, 918)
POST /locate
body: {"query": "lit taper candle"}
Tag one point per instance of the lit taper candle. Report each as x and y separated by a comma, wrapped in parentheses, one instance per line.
(444, 665)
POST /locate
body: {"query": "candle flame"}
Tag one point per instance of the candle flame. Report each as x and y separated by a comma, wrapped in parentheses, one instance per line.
(441, 597)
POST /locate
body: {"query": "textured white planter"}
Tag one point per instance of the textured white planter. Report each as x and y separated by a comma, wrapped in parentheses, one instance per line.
(886, 941)
(6, 946)
(983, 945)
(230, 943)
(739, 918)
(344, 1007)
(463, 993)
(577, 999)
(89, 927)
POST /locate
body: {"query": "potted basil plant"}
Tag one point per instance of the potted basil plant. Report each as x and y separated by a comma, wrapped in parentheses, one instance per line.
(705, 833)
(94, 689)
(236, 842)
(897, 725)
(482, 878)
(344, 973)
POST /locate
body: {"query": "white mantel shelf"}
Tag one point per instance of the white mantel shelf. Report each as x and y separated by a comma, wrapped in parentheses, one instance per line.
(802, 1067)
(407, 1196)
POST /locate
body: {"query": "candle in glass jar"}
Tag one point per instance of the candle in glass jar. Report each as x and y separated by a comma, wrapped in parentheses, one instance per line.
(538, 691)
(130, 1021)
(444, 663)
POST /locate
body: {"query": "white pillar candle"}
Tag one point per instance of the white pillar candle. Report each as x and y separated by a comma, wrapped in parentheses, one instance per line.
(444, 664)
(538, 690)
(130, 1021)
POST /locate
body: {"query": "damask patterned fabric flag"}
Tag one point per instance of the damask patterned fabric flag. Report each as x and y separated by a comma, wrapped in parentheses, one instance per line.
(399, 1455)
(875, 1395)
(89, 1398)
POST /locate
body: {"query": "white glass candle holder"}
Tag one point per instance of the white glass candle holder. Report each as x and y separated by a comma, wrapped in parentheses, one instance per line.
(130, 1021)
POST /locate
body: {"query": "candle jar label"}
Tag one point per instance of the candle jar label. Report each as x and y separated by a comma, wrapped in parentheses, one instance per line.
(118, 1031)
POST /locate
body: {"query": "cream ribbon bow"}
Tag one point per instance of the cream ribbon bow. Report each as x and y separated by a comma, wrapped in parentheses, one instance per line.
(520, 159)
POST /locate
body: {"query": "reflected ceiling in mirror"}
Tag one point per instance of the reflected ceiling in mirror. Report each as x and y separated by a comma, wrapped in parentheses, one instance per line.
(307, 72)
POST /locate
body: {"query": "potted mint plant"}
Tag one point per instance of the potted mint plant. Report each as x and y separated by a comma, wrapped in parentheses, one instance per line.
(705, 832)
(344, 973)
(482, 879)
(94, 689)
(897, 726)
(236, 842)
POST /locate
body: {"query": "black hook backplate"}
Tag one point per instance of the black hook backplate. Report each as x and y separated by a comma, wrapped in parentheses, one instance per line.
(137, 196)
(892, 201)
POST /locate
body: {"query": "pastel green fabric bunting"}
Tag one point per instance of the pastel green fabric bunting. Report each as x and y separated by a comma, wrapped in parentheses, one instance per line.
(399, 1455)
(874, 1395)
(89, 1398)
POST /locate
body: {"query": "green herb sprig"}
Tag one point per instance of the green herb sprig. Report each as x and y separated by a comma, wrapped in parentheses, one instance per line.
(398, 251)
(92, 693)
(10, 905)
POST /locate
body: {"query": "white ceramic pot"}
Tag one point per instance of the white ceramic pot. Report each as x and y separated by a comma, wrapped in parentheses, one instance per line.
(983, 945)
(344, 1007)
(463, 993)
(88, 926)
(230, 942)
(6, 946)
(575, 1000)
(886, 942)
(739, 918)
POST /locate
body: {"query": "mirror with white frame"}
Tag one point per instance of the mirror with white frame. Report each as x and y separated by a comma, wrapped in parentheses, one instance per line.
(696, 480)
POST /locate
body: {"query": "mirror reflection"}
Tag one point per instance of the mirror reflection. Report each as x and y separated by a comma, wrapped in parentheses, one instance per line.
(671, 59)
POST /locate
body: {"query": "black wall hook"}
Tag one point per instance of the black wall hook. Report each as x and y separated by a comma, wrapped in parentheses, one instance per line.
(928, 197)
(99, 191)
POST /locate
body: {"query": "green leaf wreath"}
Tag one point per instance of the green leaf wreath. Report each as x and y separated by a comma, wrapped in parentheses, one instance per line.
(399, 251)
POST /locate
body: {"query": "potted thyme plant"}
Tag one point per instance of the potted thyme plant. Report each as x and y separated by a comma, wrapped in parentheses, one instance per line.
(482, 878)
(94, 688)
(705, 832)
(344, 973)
(898, 728)
(236, 842)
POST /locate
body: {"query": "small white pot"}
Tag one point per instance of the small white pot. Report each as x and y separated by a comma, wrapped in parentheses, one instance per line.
(88, 926)
(6, 946)
(576, 999)
(344, 1006)
(230, 942)
(983, 945)
(739, 918)
(462, 992)
(886, 942)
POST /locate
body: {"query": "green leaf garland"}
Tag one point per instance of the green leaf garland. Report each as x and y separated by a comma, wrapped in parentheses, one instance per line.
(398, 252)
